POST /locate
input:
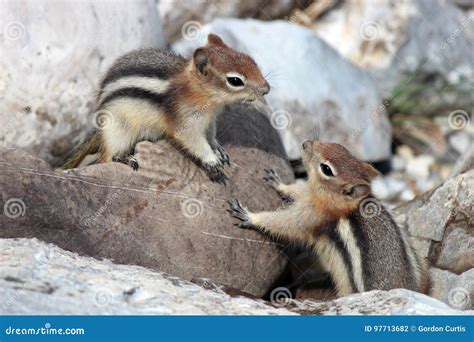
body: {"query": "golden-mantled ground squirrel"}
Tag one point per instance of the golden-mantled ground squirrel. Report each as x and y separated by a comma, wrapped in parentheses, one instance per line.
(151, 94)
(333, 212)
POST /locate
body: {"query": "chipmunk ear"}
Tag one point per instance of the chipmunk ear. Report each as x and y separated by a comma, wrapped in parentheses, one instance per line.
(356, 190)
(371, 171)
(201, 60)
(214, 39)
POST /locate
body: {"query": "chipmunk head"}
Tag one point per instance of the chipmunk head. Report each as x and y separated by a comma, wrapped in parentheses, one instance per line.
(335, 173)
(232, 76)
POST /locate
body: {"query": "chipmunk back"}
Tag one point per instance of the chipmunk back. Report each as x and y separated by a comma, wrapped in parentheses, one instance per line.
(334, 212)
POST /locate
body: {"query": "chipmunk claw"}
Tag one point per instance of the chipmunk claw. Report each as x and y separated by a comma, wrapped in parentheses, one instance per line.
(128, 160)
(239, 212)
(215, 172)
(272, 178)
(222, 154)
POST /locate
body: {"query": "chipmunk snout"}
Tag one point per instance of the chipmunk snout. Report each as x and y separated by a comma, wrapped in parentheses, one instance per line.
(265, 89)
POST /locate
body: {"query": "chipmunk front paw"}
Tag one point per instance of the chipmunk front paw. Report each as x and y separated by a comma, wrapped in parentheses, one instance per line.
(221, 154)
(239, 212)
(129, 160)
(215, 172)
(272, 178)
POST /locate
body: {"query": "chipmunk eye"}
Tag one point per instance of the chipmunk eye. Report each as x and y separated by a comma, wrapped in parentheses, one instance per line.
(235, 81)
(326, 169)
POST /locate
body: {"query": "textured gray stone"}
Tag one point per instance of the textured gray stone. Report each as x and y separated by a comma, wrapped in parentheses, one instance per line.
(393, 302)
(167, 216)
(315, 92)
(53, 54)
(38, 278)
(456, 290)
(457, 250)
(428, 215)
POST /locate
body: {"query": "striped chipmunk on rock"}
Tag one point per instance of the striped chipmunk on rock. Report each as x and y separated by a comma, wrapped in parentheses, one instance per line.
(334, 213)
(151, 94)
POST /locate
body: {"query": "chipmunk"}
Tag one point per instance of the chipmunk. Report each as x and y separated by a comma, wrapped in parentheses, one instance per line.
(151, 94)
(333, 212)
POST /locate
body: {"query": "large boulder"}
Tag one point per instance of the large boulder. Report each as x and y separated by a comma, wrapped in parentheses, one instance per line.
(42, 279)
(441, 224)
(50, 65)
(167, 216)
(315, 92)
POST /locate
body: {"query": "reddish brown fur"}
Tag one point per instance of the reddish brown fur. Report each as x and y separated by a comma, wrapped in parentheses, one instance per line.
(328, 193)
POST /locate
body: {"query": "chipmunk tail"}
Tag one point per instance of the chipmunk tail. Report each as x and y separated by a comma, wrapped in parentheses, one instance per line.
(90, 145)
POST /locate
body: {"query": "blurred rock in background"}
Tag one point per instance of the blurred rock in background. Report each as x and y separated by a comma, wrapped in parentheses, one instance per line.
(315, 92)
(175, 14)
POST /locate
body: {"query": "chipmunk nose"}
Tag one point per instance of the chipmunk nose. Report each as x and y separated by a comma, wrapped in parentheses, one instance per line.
(265, 89)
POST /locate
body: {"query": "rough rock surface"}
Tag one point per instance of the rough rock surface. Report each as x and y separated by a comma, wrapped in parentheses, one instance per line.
(166, 216)
(309, 97)
(393, 302)
(432, 35)
(441, 225)
(37, 278)
(50, 65)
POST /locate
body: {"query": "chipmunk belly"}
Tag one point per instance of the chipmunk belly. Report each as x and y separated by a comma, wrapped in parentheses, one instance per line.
(333, 261)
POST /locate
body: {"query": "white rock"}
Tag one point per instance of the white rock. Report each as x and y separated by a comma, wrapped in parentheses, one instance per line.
(53, 54)
(60, 282)
(388, 188)
(420, 166)
(314, 90)
(393, 302)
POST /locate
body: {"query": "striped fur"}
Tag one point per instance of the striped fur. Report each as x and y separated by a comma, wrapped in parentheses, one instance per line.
(150, 94)
(361, 251)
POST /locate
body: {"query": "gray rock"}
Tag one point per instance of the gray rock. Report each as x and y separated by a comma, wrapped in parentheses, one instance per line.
(315, 92)
(167, 216)
(429, 214)
(393, 302)
(432, 35)
(456, 290)
(38, 278)
(50, 65)
(457, 250)
(42, 279)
